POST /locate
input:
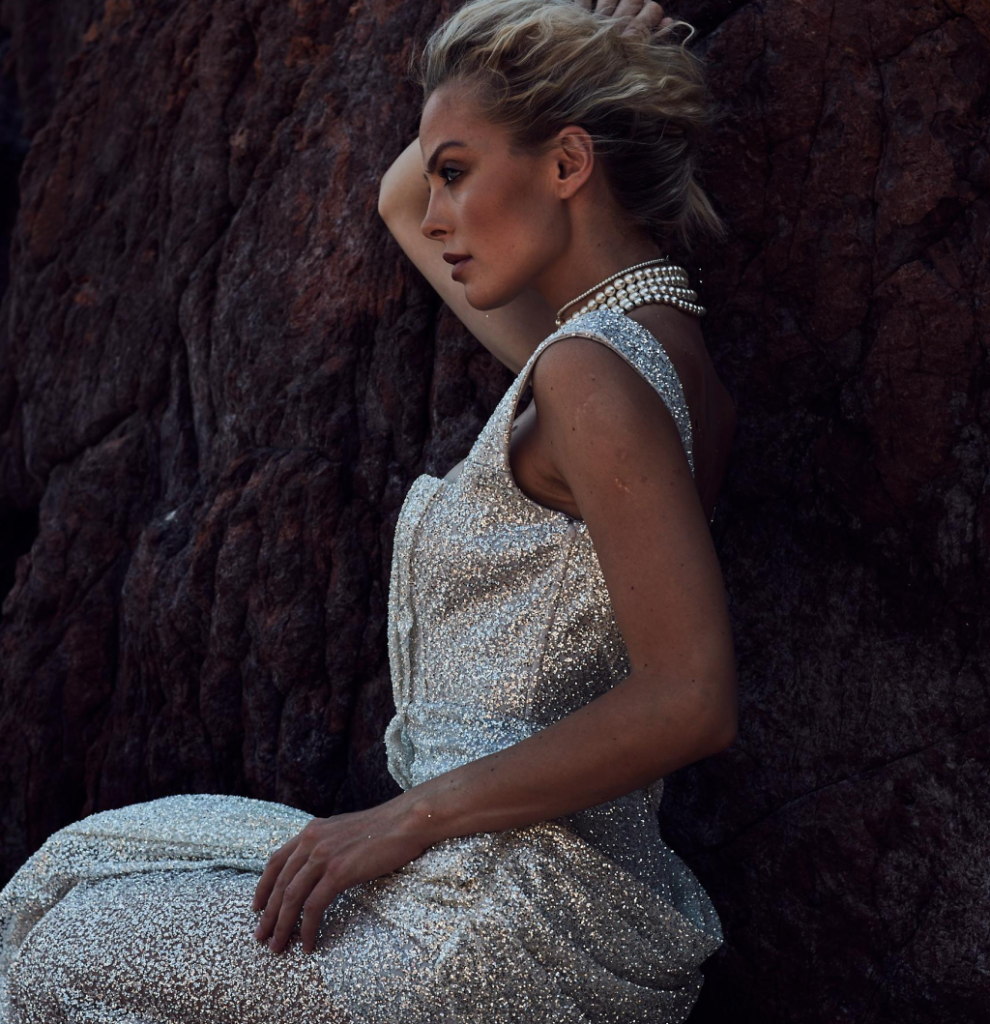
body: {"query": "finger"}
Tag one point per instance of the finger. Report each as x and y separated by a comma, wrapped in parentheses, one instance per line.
(316, 903)
(605, 7)
(650, 18)
(272, 870)
(274, 906)
(293, 897)
(629, 8)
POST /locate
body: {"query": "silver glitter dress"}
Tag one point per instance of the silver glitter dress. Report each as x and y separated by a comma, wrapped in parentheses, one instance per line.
(499, 624)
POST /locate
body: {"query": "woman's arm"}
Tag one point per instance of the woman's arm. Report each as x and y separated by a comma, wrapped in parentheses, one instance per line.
(652, 723)
(616, 444)
(510, 332)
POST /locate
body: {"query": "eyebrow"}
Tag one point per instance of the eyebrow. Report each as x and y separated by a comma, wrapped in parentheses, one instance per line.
(432, 162)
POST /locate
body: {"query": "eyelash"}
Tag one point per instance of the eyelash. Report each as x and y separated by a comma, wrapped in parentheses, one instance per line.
(448, 168)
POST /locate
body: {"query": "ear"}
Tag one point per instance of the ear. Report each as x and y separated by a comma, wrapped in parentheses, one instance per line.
(574, 160)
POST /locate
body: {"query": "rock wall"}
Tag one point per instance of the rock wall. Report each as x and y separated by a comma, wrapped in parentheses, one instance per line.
(219, 374)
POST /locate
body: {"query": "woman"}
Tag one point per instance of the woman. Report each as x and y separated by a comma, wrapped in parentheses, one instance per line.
(520, 875)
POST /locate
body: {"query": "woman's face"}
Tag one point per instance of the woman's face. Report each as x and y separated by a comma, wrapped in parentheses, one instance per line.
(496, 207)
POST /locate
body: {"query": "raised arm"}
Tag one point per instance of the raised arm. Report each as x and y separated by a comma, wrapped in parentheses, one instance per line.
(510, 332)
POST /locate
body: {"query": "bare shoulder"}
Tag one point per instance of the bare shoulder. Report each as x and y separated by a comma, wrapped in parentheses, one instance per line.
(597, 415)
(575, 373)
(587, 365)
(584, 389)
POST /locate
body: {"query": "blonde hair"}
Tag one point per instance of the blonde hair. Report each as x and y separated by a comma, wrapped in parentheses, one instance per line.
(534, 66)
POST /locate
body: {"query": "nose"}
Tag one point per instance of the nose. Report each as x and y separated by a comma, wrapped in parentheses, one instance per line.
(434, 226)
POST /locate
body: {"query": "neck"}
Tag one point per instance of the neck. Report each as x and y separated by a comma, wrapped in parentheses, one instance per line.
(585, 267)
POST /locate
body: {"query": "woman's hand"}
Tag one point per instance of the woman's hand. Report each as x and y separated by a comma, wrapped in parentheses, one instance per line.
(644, 16)
(328, 856)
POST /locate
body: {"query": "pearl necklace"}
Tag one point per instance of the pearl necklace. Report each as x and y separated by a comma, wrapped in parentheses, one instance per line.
(635, 286)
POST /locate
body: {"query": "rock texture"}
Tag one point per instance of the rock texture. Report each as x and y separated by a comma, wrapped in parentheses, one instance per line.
(219, 374)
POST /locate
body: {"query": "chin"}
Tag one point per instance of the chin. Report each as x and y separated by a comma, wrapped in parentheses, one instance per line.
(485, 301)
(478, 300)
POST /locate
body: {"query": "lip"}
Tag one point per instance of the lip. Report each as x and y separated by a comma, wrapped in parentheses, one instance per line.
(459, 266)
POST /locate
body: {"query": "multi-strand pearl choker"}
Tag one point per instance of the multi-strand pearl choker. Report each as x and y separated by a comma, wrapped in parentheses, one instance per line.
(636, 286)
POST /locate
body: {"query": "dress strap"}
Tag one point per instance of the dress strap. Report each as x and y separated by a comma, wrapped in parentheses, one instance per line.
(638, 346)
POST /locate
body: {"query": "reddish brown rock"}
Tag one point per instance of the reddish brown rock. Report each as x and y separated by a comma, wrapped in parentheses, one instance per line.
(219, 375)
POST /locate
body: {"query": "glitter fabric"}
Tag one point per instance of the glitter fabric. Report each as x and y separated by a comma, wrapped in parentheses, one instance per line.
(499, 624)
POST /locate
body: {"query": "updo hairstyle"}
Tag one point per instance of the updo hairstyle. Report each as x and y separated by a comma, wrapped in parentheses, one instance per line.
(535, 66)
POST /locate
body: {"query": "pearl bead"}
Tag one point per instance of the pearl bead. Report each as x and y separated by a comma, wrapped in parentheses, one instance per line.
(664, 283)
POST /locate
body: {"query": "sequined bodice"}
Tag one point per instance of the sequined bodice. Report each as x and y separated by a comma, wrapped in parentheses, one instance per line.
(500, 621)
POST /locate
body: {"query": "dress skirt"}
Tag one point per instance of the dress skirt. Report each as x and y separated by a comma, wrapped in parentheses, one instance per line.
(142, 915)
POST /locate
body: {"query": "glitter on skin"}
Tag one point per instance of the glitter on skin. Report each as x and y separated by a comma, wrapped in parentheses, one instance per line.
(499, 624)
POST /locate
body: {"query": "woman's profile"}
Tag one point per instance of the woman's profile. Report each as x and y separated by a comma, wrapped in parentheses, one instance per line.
(558, 634)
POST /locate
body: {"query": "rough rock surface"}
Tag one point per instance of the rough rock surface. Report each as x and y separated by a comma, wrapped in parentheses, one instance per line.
(219, 374)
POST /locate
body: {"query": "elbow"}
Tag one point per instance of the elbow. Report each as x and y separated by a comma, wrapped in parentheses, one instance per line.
(724, 738)
(392, 201)
(386, 197)
(725, 728)
(383, 205)
(721, 700)
(722, 722)
(714, 739)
